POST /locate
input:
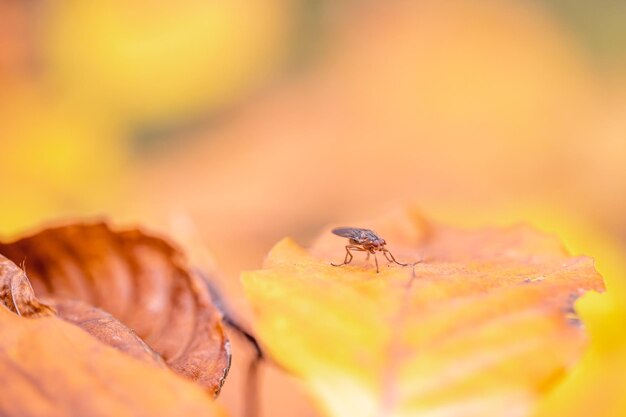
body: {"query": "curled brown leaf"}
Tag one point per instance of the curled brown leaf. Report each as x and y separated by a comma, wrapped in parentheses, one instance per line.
(130, 290)
(51, 368)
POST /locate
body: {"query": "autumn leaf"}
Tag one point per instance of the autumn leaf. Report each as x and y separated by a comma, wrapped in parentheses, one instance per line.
(129, 290)
(49, 367)
(482, 326)
(596, 385)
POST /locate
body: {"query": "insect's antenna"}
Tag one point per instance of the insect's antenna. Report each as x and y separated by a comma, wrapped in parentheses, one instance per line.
(393, 259)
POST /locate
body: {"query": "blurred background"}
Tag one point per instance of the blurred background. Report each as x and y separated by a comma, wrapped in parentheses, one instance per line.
(230, 125)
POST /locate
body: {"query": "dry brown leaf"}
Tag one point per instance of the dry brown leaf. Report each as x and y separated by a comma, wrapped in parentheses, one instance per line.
(49, 367)
(110, 282)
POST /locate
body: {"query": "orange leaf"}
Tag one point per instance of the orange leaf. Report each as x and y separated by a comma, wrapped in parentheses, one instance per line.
(108, 283)
(480, 327)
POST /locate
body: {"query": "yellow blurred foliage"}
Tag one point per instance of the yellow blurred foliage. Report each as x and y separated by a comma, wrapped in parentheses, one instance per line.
(54, 160)
(77, 78)
(149, 60)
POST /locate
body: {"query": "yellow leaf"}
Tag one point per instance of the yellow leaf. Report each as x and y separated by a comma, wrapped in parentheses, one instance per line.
(596, 385)
(482, 326)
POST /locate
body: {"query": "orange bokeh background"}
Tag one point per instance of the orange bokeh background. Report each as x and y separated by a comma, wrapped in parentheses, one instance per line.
(232, 125)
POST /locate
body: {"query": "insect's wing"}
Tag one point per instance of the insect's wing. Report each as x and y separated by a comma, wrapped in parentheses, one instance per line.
(349, 232)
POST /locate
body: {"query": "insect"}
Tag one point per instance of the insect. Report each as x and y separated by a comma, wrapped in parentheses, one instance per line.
(364, 240)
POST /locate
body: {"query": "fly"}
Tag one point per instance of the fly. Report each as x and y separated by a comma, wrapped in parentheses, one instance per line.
(364, 240)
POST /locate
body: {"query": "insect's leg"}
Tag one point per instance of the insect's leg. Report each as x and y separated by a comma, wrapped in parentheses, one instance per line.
(347, 259)
(376, 259)
(348, 253)
(349, 256)
(391, 258)
(367, 258)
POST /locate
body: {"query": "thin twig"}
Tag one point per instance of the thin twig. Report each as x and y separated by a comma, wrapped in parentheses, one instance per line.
(251, 390)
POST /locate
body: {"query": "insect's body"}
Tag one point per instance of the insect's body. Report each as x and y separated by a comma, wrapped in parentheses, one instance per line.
(364, 237)
(364, 240)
